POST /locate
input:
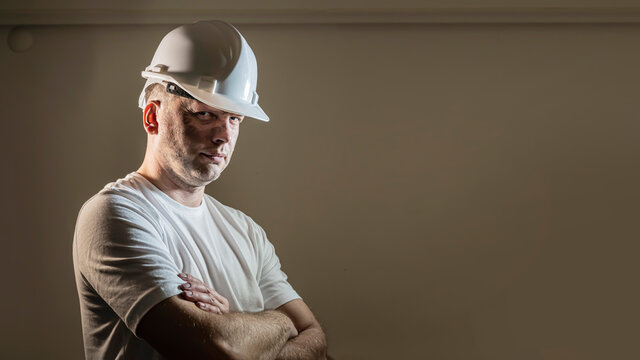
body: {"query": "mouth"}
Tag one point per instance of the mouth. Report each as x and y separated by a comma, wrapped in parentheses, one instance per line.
(216, 157)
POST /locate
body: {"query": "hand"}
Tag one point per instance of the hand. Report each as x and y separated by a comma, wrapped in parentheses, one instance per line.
(202, 295)
(293, 331)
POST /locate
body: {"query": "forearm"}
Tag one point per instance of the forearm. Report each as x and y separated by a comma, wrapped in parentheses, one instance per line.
(310, 344)
(254, 335)
(178, 330)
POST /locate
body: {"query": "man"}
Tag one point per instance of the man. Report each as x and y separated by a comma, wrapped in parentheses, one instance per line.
(137, 239)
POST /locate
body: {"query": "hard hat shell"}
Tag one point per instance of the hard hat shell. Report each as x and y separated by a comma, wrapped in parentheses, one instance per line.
(212, 62)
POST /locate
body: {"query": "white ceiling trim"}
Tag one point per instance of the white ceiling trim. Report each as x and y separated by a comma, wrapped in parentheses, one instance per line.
(325, 16)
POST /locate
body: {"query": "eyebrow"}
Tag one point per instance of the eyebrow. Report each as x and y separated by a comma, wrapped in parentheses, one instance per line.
(187, 106)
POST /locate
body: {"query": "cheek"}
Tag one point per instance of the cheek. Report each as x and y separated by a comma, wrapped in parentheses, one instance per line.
(190, 130)
(232, 141)
(194, 134)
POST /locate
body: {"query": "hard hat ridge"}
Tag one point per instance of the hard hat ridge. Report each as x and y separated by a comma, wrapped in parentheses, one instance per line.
(213, 63)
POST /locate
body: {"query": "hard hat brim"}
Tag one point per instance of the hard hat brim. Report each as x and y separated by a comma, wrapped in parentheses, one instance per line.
(218, 101)
(221, 102)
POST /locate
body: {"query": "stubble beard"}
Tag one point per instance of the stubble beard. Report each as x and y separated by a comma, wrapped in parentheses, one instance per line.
(185, 167)
(183, 163)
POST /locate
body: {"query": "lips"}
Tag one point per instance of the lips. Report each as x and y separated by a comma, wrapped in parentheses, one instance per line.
(215, 157)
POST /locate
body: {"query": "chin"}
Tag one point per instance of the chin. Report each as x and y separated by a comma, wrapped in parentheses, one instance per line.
(206, 175)
(210, 177)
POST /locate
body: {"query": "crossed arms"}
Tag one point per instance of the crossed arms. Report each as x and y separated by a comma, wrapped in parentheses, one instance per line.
(119, 256)
(178, 329)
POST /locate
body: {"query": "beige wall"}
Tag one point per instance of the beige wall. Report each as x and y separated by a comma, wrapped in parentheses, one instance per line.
(434, 191)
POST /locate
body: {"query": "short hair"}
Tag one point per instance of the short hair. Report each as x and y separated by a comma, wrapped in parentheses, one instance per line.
(153, 91)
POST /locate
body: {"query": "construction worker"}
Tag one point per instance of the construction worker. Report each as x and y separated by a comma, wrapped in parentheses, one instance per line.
(165, 270)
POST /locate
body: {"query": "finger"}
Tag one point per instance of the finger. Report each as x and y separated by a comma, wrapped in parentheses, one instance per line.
(194, 287)
(217, 296)
(199, 297)
(224, 307)
(209, 308)
(206, 299)
(197, 286)
(190, 278)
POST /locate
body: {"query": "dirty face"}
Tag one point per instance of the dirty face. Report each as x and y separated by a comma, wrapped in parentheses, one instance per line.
(196, 141)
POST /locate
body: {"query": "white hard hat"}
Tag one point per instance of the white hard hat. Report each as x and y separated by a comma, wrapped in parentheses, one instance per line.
(211, 62)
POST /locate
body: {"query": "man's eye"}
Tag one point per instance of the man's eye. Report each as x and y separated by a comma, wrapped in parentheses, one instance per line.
(205, 115)
(236, 119)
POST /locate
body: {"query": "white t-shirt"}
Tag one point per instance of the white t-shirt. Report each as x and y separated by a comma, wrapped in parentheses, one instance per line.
(131, 241)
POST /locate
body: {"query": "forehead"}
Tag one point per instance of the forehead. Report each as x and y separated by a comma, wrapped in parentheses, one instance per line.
(195, 105)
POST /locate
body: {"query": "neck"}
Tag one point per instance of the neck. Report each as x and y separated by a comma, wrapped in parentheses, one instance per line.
(165, 181)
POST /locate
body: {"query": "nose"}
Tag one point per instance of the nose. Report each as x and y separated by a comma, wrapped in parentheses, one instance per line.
(221, 132)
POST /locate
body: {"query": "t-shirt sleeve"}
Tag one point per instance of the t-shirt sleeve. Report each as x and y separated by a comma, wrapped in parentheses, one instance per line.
(121, 255)
(275, 288)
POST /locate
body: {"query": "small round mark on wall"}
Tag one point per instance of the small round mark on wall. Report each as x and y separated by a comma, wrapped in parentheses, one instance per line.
(20, 39)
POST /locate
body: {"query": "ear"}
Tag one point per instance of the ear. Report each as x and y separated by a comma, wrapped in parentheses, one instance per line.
(149, 117)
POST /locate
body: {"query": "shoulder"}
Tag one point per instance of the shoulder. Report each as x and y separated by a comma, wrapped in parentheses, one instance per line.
(119, 206)
(129, 193)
